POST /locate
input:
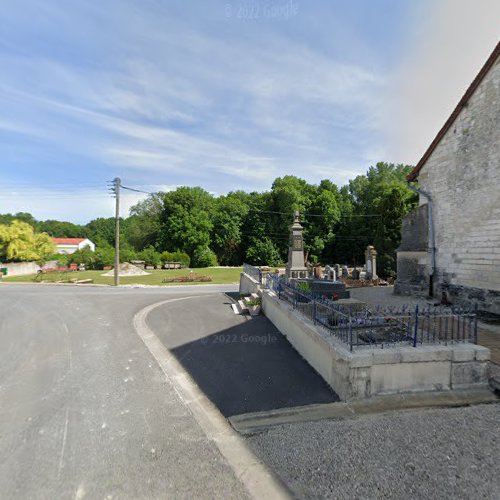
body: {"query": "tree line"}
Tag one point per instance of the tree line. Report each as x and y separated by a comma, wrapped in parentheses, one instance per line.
(254, 227)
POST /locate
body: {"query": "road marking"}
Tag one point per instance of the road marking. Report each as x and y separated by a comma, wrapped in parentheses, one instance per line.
(63, 446)
(259, 481)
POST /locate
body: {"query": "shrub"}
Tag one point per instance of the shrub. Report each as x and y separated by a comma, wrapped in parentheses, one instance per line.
(150, 256)
(104, 257)
(176, 256)
(127, 254)
(167, 256)
(204, 257)
(84, 256)
(182, 257)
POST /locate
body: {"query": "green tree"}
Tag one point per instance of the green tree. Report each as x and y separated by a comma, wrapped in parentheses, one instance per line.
(102, 231)
(60, 229)
(204, 257)
(263, 252)
(145, 225)
(325, 214)
(186, 220)
(19, 242)
(228, 215)
(373, 206)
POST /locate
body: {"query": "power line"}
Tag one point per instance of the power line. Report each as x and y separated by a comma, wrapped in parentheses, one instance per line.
(306, 214)
(137, 190)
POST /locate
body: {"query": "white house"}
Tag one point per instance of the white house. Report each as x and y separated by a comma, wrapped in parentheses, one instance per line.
(71, 245)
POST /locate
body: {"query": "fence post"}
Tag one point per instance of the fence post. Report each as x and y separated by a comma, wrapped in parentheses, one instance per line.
(350, 334)
(416, 327)
(476, 309)
(314, 311)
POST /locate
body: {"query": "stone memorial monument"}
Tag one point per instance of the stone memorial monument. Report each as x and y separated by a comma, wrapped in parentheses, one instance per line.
(295, 267)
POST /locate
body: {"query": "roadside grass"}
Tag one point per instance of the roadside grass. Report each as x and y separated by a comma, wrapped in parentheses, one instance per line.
(219, 275)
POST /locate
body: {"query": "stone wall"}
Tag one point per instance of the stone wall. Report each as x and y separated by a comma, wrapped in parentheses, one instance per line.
(21, 268)
(24, 268)
(370, 372)
(463, 177)
(248, 284)
(413, 254)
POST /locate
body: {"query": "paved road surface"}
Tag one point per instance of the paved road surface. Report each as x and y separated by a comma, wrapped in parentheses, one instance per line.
(243, 365)
(85, 411)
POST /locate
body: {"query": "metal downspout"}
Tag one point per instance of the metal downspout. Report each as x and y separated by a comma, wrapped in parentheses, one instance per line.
(432, 243)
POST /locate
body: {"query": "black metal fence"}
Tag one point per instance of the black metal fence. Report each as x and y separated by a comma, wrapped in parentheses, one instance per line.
(253, 271)
(359, 326)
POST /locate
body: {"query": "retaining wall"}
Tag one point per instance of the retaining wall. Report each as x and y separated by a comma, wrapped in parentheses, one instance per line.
(21, 268)
(248, 284)
(369, 372)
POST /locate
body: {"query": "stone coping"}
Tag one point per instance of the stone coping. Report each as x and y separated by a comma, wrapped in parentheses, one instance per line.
(368, 356)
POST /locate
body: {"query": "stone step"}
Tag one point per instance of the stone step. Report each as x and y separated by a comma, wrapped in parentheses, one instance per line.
(242, 306)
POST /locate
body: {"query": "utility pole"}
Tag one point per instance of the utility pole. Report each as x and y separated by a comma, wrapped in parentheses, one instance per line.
(117, 184)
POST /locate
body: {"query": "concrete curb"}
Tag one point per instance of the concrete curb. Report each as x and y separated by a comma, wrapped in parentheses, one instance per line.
(259, 481)
(251, 423)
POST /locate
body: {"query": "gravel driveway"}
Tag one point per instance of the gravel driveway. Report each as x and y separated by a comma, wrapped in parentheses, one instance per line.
(443, 453)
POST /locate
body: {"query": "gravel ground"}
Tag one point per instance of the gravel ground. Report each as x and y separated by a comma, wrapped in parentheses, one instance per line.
(441, 453)
(384, 296)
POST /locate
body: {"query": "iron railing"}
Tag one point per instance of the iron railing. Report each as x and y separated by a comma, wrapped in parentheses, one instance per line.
(359, 326)
(253, 272)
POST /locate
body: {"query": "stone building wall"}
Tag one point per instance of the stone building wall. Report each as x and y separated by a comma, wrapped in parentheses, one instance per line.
(463, 177)
(413, 254)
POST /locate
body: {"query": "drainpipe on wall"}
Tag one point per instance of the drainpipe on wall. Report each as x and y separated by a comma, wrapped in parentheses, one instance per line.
(432, 243)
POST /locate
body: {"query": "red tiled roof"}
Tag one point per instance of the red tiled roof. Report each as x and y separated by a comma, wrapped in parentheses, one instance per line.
(412, 176)
(68, 241)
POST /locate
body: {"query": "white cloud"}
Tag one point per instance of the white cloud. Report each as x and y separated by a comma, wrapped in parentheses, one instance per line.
(70, 204)
(147, 97)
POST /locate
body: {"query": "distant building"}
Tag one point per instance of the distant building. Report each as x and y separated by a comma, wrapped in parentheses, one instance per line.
(71, 245)
(451, 242)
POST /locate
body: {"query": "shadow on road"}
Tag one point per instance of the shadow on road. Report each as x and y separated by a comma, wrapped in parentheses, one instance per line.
(251, 367)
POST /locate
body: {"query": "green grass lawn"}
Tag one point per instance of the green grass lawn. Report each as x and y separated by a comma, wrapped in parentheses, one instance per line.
(219, 276)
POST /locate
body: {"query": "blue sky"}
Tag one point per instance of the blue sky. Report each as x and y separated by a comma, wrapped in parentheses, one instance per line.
(226, 95)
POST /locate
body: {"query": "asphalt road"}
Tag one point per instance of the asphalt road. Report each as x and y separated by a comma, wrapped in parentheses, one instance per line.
(86, 412)
(243, 365)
